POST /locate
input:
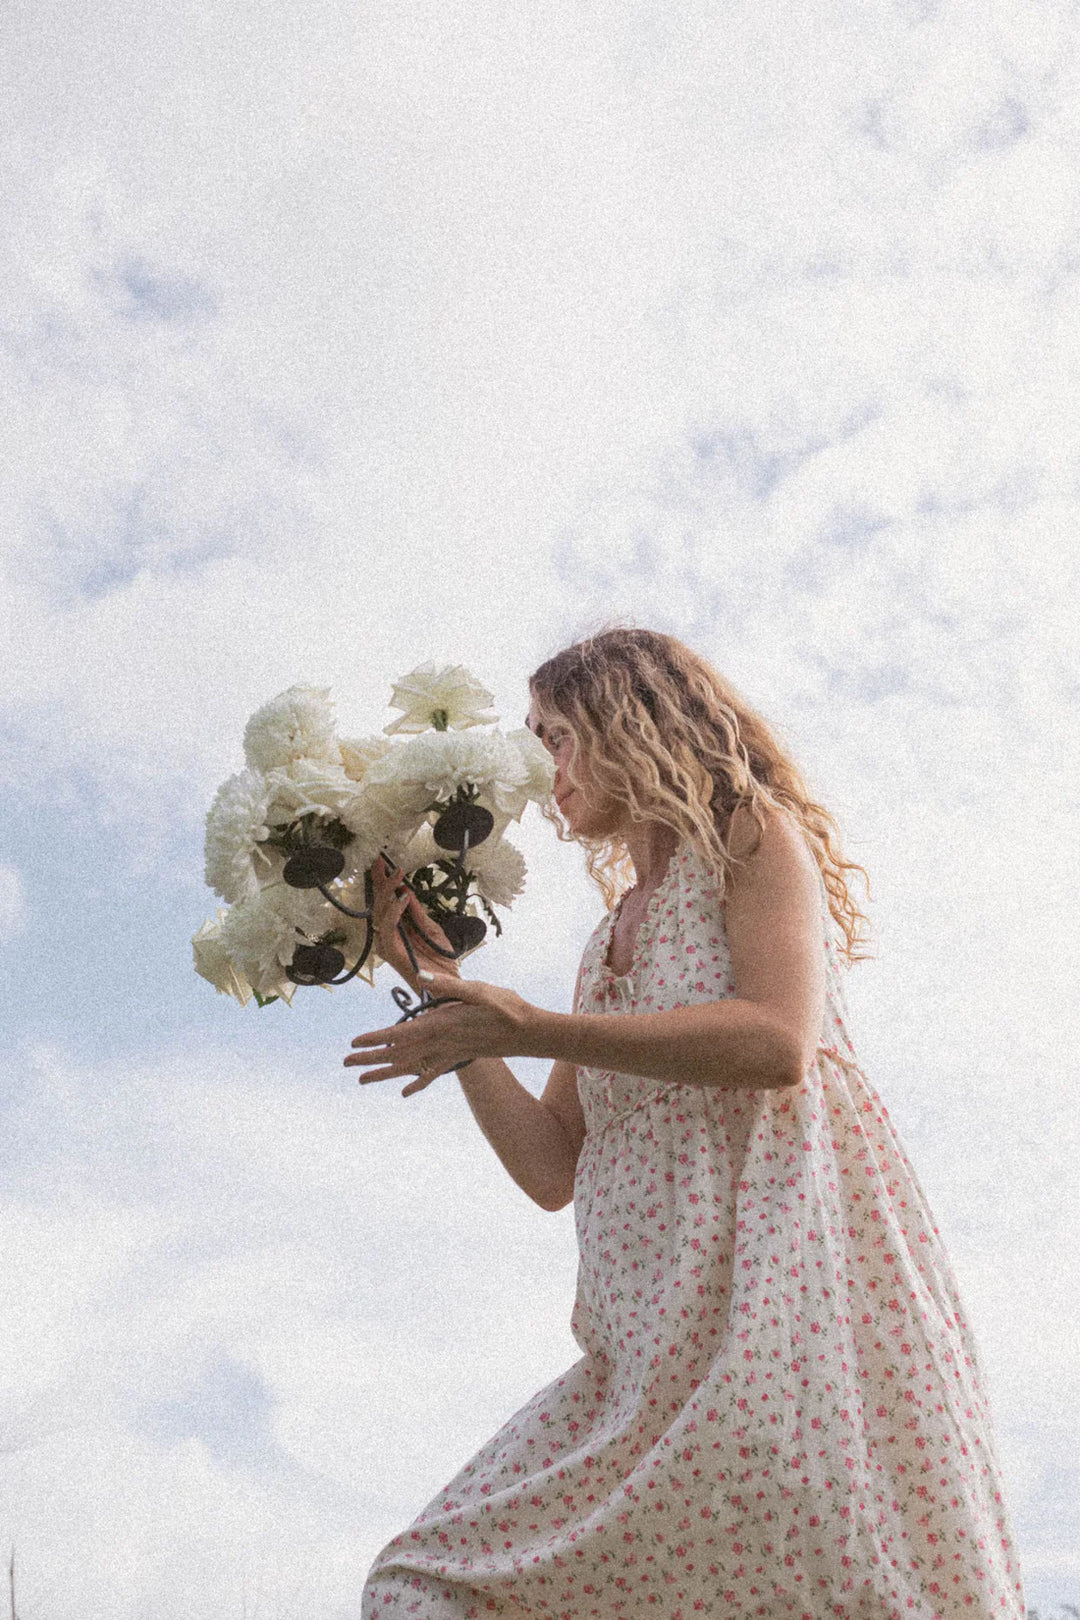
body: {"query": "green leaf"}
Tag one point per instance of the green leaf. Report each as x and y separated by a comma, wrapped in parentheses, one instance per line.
(496, 924)
(264, 1001)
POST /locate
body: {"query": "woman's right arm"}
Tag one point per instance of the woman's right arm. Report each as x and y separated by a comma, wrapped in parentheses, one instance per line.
(538, 1139)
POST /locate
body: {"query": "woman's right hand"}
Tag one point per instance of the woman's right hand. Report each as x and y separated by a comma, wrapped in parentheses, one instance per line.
(392, 902)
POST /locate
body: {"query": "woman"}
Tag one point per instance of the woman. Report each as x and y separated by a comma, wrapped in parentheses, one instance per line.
(778, 1409)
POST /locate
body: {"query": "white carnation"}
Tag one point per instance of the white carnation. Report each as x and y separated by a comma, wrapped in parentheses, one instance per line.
(539, 766)
(235, 825)
(358, 754)
(499, 869)
(297, 724)
(261, 934)
(440, 695)
(405, 782)
(433, 766)
(309, 787)
(429, 769)
(213, 963)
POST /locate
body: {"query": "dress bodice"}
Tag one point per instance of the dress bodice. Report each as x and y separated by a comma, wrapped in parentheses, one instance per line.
(681, 958)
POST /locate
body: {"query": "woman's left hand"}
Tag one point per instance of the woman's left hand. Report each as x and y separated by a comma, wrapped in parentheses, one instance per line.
(481, 1020)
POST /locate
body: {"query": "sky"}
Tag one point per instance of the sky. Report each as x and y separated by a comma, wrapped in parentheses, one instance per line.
(339, 338)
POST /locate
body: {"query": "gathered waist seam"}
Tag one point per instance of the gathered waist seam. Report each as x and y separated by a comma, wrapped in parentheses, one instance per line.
(650, 1096)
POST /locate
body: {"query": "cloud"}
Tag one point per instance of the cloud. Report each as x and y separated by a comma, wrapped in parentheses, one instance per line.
(225, 1287)
(139, 292)
(12, 904)
(346, 338)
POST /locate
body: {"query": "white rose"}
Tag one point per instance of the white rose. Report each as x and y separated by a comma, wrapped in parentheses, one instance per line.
(443, 696)
(213, 963)
(297, 724)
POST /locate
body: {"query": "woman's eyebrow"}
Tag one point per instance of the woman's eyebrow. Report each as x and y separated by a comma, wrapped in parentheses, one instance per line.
(539, 732)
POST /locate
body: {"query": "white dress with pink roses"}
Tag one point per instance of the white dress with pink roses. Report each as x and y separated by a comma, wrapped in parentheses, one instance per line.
(778, 1410)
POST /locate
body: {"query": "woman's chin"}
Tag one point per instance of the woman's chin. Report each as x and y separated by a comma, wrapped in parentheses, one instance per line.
(583, 821)
(586, 826)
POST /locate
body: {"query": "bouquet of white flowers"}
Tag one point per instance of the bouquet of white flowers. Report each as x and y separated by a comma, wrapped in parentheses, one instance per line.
(291, 839)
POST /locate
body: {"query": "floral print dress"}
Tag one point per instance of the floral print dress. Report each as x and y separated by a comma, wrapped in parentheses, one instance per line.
(778, 1410)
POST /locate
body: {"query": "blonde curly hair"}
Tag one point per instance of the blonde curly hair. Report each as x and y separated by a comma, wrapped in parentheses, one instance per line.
(667, 736)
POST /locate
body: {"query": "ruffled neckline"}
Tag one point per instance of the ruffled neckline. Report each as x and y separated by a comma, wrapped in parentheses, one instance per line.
(644, 925)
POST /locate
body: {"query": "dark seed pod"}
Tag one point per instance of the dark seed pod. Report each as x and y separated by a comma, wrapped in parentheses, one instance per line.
(315, 964)
(312, 865)
(457, 819)
(463, 932)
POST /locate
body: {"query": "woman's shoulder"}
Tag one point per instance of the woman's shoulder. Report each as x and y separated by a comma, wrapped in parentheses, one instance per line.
(775, 872)
(766, 847)
(770, 827)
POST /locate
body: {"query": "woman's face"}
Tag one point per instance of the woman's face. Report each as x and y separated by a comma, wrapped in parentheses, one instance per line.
(587, 810)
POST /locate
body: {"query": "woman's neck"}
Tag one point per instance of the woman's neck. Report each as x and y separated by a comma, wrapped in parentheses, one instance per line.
(650, 846)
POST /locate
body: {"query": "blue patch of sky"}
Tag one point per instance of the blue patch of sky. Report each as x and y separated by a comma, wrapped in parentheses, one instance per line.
(871, 683)
(137, 293)
(845, 534)
(132, 537)
(103, 967)
(1008, 123)
(917, 12)
(741, 457)
(852, 529)
(824, 267)
(227, 1408)
(881, 681)
(50, 343)
(754, 470)
(871, 123)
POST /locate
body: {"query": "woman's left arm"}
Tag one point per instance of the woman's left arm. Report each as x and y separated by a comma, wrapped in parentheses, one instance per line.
(767, 1033)
(765, 1036)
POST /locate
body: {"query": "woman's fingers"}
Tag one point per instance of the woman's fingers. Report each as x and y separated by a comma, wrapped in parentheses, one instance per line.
(426, 1052)
(396, 911)
(385, 1063)
(376, 1037)
(472, 1022)
(421, 1083)
(390, 901)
